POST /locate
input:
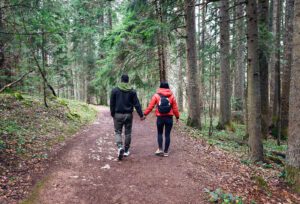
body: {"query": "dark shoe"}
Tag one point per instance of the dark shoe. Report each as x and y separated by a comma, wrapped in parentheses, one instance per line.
(120, 153)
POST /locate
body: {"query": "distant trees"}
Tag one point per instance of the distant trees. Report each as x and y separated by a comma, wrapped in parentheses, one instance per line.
(59, 41)
(80, 49)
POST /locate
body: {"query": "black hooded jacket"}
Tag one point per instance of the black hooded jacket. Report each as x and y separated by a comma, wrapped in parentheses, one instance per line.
(123, 101)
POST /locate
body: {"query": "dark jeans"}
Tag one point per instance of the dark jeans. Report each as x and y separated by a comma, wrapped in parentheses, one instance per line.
(121, 120)
(162, 122)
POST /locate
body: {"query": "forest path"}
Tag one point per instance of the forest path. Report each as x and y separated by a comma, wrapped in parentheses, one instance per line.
(87, 171)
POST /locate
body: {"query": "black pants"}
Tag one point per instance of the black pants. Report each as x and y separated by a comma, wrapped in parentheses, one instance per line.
(167, 122)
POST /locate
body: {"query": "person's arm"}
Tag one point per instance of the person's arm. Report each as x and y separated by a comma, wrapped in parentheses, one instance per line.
(175, 108)
(151, 105)
(112, 103)
(137, 105)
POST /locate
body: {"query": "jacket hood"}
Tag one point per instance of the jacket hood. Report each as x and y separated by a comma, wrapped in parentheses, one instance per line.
(165, 92)
(124, 86)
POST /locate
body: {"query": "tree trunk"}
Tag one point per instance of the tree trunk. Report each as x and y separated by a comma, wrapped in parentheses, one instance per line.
(202, 46)
(180, 76)
(263, 6)
(194, 117)
(103, 96)
(109, 15)
(239, 80)
(1, 44)
(210, 107)
(271, 7)
(215, 72)
(293, 153)
(225, 106)
(275, 62)
(277, 81)
(90, 70)
(254, 103)
(288, 39)
(273, 57)
(161, 45)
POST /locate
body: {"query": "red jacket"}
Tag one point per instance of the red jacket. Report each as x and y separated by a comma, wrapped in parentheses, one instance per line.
(155, 100)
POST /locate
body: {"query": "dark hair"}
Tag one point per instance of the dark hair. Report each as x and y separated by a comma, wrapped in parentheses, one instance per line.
(125, 78)
(164, 85)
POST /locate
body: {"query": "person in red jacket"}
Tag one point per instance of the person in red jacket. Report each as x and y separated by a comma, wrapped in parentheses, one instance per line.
(166, 108)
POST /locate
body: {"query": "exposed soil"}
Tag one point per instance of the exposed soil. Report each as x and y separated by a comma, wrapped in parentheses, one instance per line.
(87, 171)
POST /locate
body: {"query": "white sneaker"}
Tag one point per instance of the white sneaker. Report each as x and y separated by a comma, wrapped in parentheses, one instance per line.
(120, 153)
(126, 154)
(159, 152)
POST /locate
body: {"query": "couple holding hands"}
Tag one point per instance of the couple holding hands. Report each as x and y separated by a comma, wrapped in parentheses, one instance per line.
(122, 101)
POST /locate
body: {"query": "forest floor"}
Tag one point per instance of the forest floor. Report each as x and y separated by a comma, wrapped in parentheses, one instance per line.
(86, 171)
(30, 134)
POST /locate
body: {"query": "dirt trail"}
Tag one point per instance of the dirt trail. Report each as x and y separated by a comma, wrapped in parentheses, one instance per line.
(87, 170)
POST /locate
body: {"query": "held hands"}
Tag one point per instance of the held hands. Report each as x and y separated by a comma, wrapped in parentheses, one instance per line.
(143, 118)
(177, 120)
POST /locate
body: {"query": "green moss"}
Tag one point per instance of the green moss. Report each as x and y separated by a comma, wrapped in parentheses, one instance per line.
(274, 119)
(193, 123)
(33, 198)
(284, 133)
(56, 140)
(18, 96)
(293, 177)
(228, 126)
(73, 116)
(62, 101)
(72, 129)
(260, 181)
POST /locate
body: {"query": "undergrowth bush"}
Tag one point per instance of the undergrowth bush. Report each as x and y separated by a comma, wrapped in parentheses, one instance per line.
(218, 196)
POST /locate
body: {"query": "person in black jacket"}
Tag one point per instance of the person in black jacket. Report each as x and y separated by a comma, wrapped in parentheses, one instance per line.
(122, 100)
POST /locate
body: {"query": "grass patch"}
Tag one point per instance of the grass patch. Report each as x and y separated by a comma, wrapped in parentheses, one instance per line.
(33, 198)
(233, 140)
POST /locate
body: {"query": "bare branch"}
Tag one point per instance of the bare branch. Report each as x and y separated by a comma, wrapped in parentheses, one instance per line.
(36, 33)
(43, 74)
(14, 82)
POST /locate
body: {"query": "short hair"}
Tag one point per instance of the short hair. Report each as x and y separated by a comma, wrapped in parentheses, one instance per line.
(125, 78)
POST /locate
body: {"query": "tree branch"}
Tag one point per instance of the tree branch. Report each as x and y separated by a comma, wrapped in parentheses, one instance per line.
(36, 33)
(43, 75)
(14, 82)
